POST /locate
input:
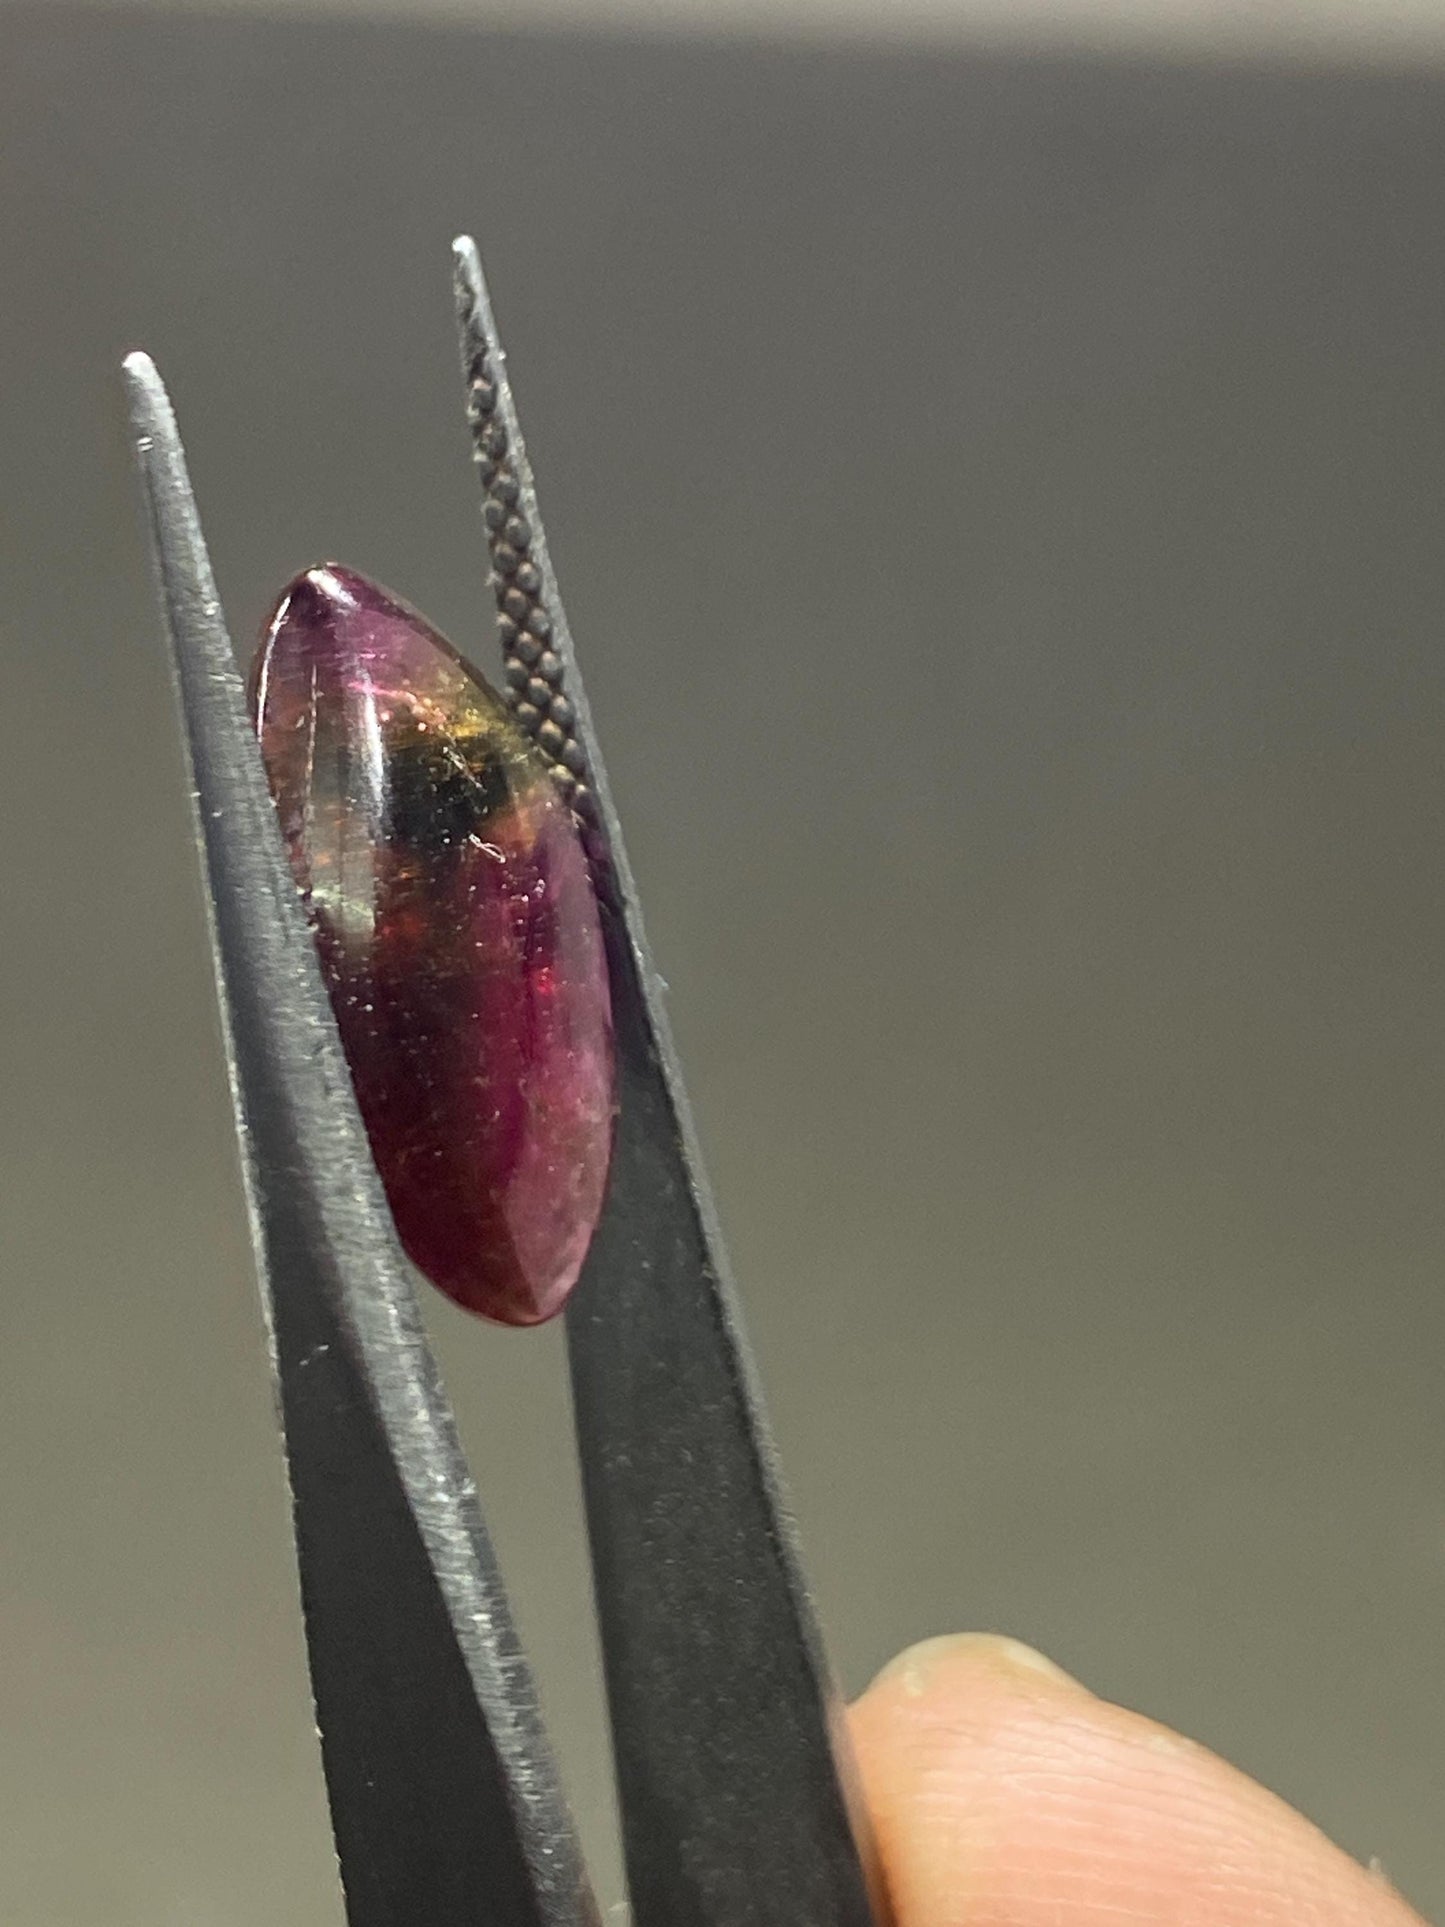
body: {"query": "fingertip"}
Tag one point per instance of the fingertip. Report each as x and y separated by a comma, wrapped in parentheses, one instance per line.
(926, 1667)
(1004, 1794)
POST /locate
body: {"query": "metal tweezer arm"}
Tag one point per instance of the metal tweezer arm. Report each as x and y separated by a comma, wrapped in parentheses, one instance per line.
(445, 1803)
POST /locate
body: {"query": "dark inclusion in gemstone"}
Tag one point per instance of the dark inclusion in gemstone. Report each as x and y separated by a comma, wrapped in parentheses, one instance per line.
(459, 938)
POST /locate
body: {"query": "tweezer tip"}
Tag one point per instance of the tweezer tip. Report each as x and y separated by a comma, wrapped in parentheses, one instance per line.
(474, 307)
(142, 377)
(150, 405)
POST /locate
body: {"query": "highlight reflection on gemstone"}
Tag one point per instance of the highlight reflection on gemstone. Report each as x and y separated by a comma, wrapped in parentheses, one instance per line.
(459, 939)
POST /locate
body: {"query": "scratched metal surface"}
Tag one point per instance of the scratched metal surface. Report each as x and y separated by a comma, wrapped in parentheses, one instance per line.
(442, 1791)
(1013, 612)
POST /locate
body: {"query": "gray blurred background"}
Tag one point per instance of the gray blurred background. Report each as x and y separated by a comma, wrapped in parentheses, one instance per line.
(998, 490)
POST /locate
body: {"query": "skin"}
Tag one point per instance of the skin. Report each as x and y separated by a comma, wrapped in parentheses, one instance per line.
(1004, 1794)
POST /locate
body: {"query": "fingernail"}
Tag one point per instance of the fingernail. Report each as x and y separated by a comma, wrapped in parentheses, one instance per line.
(916, 1668)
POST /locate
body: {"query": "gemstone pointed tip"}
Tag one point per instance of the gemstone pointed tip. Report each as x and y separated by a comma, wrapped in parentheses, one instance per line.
(325, 586)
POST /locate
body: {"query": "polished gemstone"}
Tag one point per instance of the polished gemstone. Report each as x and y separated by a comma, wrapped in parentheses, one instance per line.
(459, 938)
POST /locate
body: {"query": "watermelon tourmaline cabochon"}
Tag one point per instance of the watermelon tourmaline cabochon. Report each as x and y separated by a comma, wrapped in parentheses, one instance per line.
(459, 935)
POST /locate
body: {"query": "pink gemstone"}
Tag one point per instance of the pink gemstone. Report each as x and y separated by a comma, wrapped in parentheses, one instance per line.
(459, 938)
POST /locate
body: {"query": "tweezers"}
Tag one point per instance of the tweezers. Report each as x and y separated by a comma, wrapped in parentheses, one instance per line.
(733, 1778)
